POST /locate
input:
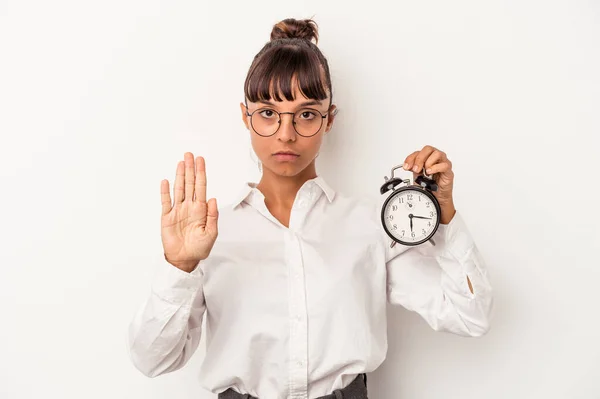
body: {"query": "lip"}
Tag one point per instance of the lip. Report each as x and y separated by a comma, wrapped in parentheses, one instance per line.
(283, 156)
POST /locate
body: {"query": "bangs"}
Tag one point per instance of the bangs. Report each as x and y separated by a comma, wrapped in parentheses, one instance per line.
(273, 75)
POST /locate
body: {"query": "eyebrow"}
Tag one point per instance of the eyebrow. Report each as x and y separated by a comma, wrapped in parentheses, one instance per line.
(311, 102)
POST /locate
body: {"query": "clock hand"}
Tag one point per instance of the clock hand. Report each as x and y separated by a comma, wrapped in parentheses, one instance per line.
(421, 217)
(411, 225)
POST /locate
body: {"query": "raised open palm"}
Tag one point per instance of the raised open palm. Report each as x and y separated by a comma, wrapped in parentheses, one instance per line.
(189, 223)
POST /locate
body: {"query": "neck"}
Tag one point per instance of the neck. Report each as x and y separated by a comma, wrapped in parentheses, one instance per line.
(280, 191)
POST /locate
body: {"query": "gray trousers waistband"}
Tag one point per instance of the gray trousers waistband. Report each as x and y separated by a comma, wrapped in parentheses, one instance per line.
(357, 389)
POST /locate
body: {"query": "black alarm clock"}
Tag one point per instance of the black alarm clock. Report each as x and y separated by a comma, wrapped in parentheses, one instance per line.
(410, 214)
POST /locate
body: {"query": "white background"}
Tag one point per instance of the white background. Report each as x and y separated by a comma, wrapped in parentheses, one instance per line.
(99, 101)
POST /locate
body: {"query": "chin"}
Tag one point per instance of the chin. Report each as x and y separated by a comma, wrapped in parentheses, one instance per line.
(286, 169)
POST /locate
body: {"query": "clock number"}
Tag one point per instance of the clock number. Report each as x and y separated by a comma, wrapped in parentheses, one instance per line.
(394, 207)
(391, 217)
(401, 200)
(394, 227)
(424, 232)
(410, 196)
(403, 231)
(412, 234)
(430, 213)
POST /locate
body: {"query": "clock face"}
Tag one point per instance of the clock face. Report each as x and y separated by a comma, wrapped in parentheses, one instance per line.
(411, 216)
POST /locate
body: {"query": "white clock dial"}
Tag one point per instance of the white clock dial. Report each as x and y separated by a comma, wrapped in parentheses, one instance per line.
(406, 206)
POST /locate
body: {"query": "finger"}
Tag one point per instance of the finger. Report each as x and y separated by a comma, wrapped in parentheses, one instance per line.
(212, 217)
(189, 176)
(178, 187)
(408, 162)
(421, 157)
(165, 197)
(200, 180)
(435, 157)
(441, 167)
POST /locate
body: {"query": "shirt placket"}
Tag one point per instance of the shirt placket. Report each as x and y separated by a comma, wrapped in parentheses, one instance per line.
(298, 346)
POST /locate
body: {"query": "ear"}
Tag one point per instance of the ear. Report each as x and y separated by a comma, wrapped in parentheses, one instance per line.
(244, 115)
(331, 117)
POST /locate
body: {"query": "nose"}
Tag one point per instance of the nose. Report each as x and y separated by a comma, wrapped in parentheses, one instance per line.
(286, 131)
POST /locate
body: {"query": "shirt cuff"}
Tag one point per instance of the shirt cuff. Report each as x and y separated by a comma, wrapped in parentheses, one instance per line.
(453, 248)
(175, 285)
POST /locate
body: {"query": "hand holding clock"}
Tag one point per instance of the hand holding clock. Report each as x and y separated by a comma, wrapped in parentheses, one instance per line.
(436, 163)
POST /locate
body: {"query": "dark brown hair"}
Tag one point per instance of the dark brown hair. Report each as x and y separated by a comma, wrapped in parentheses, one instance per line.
(290, 52)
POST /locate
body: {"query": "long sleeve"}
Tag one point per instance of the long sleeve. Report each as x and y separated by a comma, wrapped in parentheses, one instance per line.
(432, 281)
(165, 331)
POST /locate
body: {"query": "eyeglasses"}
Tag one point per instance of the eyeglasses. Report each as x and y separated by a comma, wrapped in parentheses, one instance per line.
(266, 121)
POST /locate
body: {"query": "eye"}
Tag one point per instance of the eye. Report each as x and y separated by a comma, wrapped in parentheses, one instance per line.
(267, 113)
(308, 115)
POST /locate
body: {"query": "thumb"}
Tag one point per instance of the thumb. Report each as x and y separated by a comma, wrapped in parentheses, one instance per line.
(212, 217)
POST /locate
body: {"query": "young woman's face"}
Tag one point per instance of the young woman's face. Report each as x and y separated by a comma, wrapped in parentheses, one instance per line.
(286, 138)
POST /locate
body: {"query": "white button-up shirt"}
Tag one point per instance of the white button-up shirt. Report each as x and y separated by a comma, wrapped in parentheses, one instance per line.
(299, 311)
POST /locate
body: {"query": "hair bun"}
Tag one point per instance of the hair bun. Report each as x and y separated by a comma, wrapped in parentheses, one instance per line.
(293, 28)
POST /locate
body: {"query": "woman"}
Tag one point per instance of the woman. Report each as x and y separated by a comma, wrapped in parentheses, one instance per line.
(294, 289)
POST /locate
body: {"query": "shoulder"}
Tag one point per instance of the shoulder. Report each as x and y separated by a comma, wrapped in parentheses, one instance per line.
(232, 214)
(358, 213)
(358, 205)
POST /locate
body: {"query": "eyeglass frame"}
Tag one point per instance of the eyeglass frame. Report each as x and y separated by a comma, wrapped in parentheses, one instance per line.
(323, 116)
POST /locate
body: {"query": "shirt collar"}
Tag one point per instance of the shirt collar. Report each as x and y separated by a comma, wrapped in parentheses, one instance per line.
(250, 187)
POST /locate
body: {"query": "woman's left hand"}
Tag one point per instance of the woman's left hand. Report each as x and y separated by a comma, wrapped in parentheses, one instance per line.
(436, 163)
